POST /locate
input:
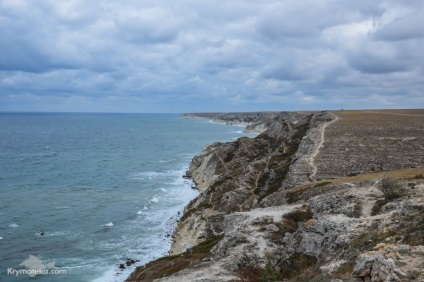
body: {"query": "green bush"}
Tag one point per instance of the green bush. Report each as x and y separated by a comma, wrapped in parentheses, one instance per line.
(269, 274)
(296, 264)
(391, 187)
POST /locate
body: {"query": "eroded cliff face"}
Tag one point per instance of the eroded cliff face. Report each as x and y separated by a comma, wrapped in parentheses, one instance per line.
(262, 216)
(332, 236)
(236, 176)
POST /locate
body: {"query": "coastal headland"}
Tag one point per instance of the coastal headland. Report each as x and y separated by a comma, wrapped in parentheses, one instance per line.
(303, 201)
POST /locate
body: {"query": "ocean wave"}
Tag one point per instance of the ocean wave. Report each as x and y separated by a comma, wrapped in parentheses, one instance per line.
(139, 178)
(110, 224)
(107, 276)
(1, 238)
(61, 208)
(154, 199)
(154, 174)
(13, 225)
(166, 161)
(139, 212)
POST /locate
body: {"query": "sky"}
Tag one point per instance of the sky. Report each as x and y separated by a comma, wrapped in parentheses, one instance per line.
(207, 56)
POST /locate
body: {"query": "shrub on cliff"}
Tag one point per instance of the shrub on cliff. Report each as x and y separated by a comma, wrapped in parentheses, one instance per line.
(391, 187)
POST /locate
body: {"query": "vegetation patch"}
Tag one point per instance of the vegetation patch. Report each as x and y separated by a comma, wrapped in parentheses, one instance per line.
(169, 265)
(367, 241)
(297, 267)
(391, 187)
(409, 231)
(322, 184)
(296, 264)
(290, 223)
(249, 273)
(294, 196)
(378, 206)
(299, 215)
(283, 228)
(414, 233)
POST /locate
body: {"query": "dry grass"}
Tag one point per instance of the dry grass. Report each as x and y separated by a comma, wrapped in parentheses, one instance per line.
(409, 173)
(295, 194)
(368, 141)
(169, 265)
(378, 117)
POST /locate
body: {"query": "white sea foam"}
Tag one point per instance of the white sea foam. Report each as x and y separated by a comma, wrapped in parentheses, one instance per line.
(57, 233)
(163, 189)
(139, 212)
(154, 200)
(14, 225)
(139, 178)
(167, 161)
(109, 276)
(145, 208)
(110, 224)
(1, 238)
(113, 275)
(153, 174)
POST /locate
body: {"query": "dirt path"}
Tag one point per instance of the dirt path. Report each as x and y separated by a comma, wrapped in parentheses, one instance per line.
(311, 159)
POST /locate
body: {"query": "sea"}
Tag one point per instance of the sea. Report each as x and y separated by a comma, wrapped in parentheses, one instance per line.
(81, 193)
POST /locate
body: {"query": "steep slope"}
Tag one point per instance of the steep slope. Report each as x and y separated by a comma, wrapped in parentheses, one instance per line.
(236, 176)
(262, 215)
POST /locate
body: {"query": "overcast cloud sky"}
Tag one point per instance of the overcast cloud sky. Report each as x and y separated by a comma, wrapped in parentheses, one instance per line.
(190, 56)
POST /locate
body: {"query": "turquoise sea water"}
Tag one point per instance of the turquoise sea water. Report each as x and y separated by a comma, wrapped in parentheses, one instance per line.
(102, 188)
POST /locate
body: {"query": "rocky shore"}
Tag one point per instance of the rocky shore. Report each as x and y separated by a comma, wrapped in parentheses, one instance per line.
(301, 201)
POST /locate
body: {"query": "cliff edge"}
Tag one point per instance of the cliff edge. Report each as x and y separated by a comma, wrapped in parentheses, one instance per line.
(302, 201)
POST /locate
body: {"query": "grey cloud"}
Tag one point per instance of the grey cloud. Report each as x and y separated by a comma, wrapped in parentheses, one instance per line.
(282, 20)
(287, 20)
(154, 25)
(376, 64)
(241, 53)
(283, 72)
(405, 28)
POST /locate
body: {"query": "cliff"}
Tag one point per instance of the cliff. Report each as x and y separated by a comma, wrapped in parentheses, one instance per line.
(254, 121)
(265, 212)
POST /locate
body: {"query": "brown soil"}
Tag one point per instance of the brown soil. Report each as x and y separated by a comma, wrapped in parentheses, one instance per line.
(368, 141)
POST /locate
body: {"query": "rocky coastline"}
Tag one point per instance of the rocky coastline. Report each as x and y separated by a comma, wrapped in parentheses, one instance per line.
(270, 209)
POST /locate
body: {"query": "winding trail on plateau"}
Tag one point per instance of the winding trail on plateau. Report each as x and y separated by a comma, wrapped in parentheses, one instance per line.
(311, 159)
